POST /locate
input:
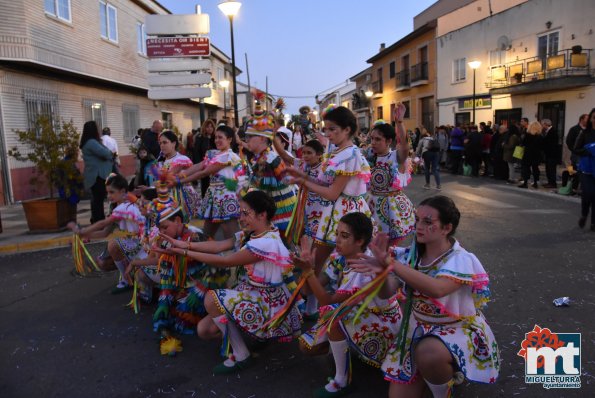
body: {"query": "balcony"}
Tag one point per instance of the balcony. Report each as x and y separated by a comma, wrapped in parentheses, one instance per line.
(403, 80)
(419, 74)
(559, 71)
(376, 88)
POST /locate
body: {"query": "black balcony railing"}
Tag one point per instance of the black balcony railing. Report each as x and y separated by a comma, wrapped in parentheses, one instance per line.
(403, 78)
(563, 63)
(376, 87)
(419, 72)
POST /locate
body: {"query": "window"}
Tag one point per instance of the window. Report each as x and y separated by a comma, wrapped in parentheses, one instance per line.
(108, 16)
(379, 113)
(497, 57)
(548, 44)
(380, 82)
(407, 110)
(141, 39)
(94, 110)
(131, 121)
(391, 70)
(167, 119)
(58, 8)
(459, 70)
(41, 103)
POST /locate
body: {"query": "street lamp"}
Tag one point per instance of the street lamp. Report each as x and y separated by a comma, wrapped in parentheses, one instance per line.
(225, 85)
(230, 9)
(474, 65)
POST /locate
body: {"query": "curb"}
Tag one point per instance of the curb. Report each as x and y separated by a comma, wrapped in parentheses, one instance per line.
(40, 245)
(47, 244)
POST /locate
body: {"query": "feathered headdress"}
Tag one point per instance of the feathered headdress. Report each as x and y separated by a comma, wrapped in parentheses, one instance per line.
(262, 123)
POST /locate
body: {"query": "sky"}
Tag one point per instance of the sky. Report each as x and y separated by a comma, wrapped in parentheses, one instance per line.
(305, 47)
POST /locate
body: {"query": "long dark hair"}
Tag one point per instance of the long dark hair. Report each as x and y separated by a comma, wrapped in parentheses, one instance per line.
(260, 202)
(343, 118)
(90, 132)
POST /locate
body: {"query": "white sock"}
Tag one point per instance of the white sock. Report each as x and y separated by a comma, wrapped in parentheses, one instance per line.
(311, 304)
(439, 390)
(340, 350)
(121, 265)
(238, 347)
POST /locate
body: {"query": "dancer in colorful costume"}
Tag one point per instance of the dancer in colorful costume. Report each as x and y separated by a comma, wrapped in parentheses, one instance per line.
(220, 203)
(306, 216)
(174, 162)
(125, 245)
(392, 210)
(342, 182)
(369, 332)
(445, 337)
(262, 305)
(267, 168)
(183, 281)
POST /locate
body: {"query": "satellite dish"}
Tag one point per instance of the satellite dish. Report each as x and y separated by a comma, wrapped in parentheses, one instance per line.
(503, 43)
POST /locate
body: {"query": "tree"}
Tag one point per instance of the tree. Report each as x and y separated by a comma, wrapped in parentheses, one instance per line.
(53, 152)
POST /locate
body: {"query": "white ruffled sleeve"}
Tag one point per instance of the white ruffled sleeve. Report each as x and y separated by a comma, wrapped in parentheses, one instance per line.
(270, 248)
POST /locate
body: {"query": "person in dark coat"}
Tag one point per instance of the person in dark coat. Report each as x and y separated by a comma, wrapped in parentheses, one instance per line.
(571, 141)
(532, 142)
(583, 147)
(496, 154)
(473, 150)
(457, 147)
(551, 152)
(204, 142)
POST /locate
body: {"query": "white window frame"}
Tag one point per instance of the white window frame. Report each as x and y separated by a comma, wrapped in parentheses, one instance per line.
(141, 43)
(95, 110)
(548, 36)
(456, 68)
(56, 13)
(131, 121)
(110, 35)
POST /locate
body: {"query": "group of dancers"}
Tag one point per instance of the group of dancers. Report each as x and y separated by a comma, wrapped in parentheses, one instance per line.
(314, 238)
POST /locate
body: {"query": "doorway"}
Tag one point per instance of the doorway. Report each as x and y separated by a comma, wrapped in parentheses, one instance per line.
(427, 113)
(462, 118)
(508, 117)
(555, 111)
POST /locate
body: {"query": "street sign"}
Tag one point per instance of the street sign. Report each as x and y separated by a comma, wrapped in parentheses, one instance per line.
(171, 25)
(178, 65)
(179, 79)
(163, 47)
(178, 93)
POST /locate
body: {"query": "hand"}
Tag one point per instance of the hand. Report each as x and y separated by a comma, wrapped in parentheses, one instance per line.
(158, 250)
(305, 260)
(73, 226)
(294, 172)
(174, 242)
(373, 264)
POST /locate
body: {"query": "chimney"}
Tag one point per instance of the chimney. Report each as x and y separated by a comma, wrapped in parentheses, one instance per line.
(382, 47)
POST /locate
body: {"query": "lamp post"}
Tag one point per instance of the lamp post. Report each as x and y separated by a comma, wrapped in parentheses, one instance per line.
(474, 65)
(230, 9)
(225, 85)
(369, 93)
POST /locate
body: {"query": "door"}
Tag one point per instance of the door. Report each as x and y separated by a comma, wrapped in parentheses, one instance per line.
(508, 117)
(427, 113)
(555, 111)
(462, 118)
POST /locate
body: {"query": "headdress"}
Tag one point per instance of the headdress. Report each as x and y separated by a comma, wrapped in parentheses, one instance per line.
(262, 123)
(379, 122)
(328, 109)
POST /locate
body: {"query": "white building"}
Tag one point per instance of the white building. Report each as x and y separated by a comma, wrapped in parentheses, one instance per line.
(527, 65)
(83, 60)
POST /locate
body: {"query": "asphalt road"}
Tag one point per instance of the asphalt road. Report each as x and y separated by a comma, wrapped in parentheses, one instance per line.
(66, 336)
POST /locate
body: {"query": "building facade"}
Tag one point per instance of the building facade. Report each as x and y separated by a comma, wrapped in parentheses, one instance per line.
(83, 60)
(406, 72)
(536, 62)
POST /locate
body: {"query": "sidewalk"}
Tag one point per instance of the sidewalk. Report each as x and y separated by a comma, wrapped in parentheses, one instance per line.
(16, 238)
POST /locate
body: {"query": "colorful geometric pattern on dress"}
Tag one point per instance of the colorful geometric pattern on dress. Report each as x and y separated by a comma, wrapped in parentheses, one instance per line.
(268, 172)
(374, 330)
(455, 319)
(392, 210)
(220, 204)
(346, 162)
